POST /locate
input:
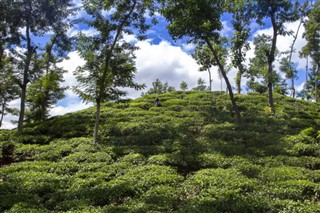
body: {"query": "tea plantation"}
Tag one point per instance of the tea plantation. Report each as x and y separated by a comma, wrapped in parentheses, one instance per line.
(187, 156)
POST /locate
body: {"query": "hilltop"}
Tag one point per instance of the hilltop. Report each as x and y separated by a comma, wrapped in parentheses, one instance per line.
(187, 156)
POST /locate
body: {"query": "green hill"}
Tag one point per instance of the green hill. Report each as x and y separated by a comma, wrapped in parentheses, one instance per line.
(186, 156)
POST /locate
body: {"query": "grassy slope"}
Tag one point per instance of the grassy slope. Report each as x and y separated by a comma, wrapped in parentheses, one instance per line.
(187, 156)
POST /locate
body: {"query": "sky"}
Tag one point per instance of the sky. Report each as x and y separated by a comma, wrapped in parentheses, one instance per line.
(159, 57)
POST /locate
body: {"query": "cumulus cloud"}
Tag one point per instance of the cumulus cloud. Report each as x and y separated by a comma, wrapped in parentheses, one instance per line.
(168, 63)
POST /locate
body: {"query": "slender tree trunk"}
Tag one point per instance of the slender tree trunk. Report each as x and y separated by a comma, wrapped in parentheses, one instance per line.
(316, 86)
(293, 88)
(306, 84)
(96, 125)
(44, 107)
(24, 90)
(271, 57)
(22, 108)
(316, 89)
(210, 80)
(290, 58)
(238, 78)
(25, 80)
(1, 54)
(224, 74)
(2, 113)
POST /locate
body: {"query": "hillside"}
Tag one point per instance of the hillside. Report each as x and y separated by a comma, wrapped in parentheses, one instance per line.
(186, 156)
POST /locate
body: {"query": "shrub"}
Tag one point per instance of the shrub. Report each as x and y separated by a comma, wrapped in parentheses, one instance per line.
(284, 206)
(142, 178)
(283, 173)
(249, 170)
(89, 157)
(293, 190)
(302, 149)
(23, 207)
(160, 159)
(133, 158)
(212, 160)
(216, 190)
(162, 198)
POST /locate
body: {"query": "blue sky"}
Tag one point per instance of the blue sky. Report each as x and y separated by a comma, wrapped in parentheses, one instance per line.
(160, 57)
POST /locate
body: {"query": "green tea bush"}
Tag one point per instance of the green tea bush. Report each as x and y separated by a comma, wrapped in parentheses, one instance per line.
(283, 173)
(34, 139)
(160, 159)
(162, 198)
(293, 190)
(36, 182)
(249, 170)
(63, 168)
(133, 158)
(23, 207)
(24, 152)
(142, 178)
(212, 160)
(302, 149)
(142, 105)
(285, 206)
(89, 157)
(217, 190)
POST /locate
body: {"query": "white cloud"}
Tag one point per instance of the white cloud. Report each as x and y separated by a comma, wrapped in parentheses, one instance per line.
(169, 64)
(70, 65)
(71, 104)
(188, 47)
(226, 30)
(88, 32)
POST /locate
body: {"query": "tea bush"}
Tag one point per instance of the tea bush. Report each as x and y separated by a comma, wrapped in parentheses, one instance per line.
(283, 173)
(293, 190)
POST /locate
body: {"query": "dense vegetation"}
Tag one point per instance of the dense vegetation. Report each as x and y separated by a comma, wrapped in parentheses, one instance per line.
(186, 156)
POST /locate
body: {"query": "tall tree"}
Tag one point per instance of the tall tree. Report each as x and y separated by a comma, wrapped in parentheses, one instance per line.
(258, 68)
(33, 18)
(287, 66)
(201, 85)
(239, 40)
(184, 86)
(312, 85)
(312, 48)
(278, 13)
(46, 91)
(204, 58)
(100, 51)
(159, 88)
(8, 89)
(200, 21)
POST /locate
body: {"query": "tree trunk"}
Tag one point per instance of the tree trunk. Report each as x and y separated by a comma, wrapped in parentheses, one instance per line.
(210, 80)
(25, 80)
(290, 58)
(22, 108)
(224, 74)
(2, 113)
(96, 125)
(292, 88)
(316, 84)
(316, 89)
(238, 81)
(271, 57)
(44, 107)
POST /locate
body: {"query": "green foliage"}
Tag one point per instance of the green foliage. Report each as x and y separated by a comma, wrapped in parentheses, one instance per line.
(159, 88)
